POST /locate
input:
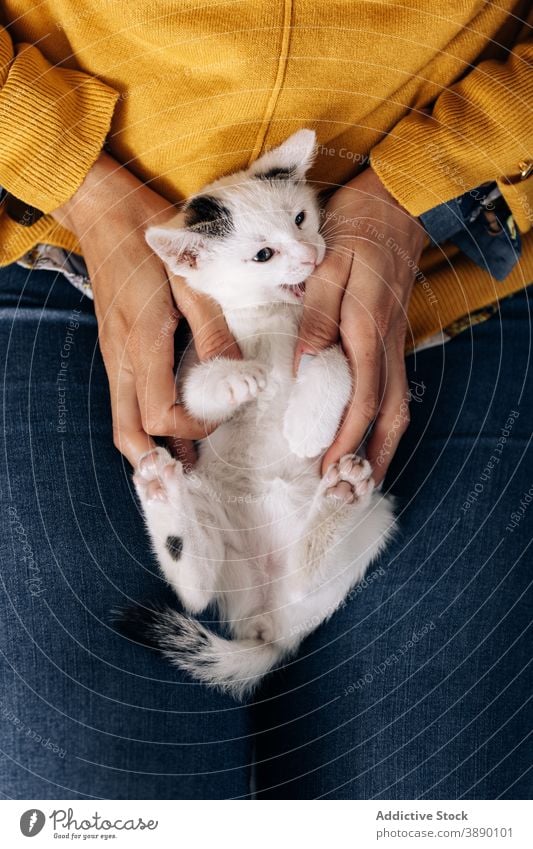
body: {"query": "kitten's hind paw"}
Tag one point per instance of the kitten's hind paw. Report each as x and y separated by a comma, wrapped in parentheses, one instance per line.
(349, 480)
(157, 476)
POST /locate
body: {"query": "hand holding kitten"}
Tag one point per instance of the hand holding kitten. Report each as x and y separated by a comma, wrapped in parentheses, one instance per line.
(361, 292)
(362, 287)
(138, 307)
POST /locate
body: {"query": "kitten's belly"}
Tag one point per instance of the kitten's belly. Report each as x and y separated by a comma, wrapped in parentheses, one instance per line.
(266, 489)
(266, 498)
(264, 493)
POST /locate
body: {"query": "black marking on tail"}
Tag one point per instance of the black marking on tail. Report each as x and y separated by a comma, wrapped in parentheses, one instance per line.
(208, 215)
(174, 546)
(139, 622)
(276, 174)
(160, 627)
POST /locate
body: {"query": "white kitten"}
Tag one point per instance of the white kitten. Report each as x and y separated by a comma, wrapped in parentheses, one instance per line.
(254, 530)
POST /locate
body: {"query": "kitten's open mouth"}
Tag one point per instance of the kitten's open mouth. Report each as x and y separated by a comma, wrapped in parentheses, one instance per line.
(298, 289)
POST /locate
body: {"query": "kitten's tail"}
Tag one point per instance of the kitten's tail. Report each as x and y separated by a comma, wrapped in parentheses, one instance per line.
(234, 666)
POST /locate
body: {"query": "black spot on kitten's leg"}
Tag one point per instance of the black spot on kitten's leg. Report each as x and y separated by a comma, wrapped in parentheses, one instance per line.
(276, 174)
(208, 215)
(174, 546)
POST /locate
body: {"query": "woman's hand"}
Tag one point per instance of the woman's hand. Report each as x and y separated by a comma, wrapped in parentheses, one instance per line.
(361, 292)
(138, 307)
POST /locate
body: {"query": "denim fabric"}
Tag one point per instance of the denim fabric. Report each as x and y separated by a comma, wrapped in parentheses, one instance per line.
(419, 687)
(462, 222)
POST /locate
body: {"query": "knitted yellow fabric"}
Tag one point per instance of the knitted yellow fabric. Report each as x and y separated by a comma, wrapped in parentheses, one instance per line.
(187, 91)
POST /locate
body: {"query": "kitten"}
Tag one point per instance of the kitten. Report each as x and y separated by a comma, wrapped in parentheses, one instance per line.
(254, 529)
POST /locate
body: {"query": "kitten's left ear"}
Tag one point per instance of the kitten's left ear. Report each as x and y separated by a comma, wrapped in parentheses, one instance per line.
(291, 160)
(179, 248)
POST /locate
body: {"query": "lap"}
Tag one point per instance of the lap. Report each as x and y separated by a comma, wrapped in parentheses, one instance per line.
(419, 687)
(84, 712)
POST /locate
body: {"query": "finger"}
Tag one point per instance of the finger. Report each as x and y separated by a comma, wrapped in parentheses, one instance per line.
(364, 350)
(393, 418)
(161, 415)
(211, 334)
(129, 435)
(324, 290)
(152, 362)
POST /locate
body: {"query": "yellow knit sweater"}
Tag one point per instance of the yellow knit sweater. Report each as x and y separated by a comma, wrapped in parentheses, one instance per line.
(439, 96)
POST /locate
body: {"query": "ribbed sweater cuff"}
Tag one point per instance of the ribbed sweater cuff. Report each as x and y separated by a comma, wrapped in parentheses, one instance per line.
(428, 159)
(422, 165)
(53, 123)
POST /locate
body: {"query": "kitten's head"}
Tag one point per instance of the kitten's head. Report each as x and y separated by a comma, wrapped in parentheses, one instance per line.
(252, 237)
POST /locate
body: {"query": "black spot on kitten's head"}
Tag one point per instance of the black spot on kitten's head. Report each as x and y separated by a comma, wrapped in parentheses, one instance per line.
(174, 546)
(276, 174)
(208, 215)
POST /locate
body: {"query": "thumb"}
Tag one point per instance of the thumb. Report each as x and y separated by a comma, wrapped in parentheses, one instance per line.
(324, 291)
(211, 334)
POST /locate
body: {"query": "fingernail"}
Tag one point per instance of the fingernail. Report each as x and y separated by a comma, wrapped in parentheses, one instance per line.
(305, 362)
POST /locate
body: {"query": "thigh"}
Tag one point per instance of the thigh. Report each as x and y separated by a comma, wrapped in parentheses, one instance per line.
(420, 687)
(84, 712)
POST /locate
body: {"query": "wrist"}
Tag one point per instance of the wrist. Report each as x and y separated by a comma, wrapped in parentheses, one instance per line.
(411, 224)
(86, 204)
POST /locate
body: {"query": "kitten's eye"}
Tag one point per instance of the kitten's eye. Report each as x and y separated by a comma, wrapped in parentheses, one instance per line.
(300, 218)
(264, 255)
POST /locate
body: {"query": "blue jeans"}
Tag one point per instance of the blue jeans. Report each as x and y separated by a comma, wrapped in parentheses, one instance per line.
(419, 687)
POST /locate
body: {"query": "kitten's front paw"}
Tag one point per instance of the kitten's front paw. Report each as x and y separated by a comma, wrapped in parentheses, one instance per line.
(214, 390)
(349, 480)
(305, 438)
(241, 386)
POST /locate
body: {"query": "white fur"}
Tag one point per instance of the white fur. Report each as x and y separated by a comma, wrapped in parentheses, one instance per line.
(268, 541)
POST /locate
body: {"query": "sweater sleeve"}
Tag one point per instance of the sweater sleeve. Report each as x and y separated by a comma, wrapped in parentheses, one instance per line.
(480, 130)
(53, 124)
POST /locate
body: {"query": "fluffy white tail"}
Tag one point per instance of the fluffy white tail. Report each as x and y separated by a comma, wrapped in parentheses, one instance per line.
(234, 666)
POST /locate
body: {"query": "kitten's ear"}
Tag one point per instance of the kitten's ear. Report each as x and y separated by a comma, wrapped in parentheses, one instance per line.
(291, 160)
(180, 249)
